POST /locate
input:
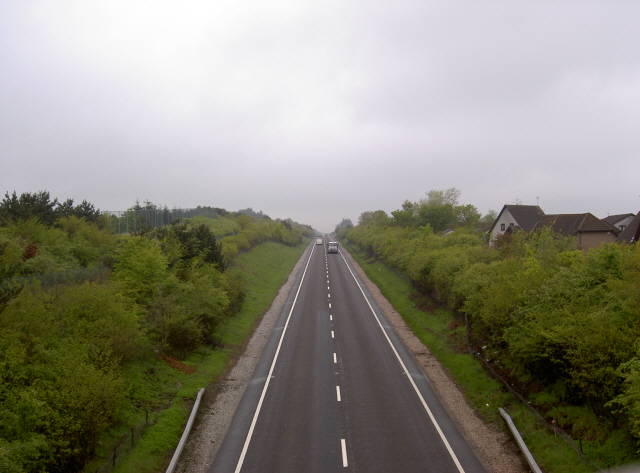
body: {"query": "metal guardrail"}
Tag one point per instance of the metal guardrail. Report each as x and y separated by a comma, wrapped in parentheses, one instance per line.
(523, 446)
(185, 434)
(541, 420)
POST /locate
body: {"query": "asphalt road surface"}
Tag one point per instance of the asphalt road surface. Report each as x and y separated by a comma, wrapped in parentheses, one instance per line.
(335, 390)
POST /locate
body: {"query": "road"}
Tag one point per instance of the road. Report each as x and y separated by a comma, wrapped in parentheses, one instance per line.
(335, 390)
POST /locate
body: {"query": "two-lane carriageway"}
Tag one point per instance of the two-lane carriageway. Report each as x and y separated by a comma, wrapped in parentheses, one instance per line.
(335, 390)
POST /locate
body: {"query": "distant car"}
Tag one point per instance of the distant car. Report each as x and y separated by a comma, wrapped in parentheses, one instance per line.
(332, 247)
(319, 241)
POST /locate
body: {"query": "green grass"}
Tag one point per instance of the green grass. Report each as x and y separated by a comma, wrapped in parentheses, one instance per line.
(441, 332)
(264, 269)
(219, 226)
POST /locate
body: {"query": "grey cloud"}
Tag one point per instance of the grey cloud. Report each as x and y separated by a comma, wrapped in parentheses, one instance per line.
(321, 111)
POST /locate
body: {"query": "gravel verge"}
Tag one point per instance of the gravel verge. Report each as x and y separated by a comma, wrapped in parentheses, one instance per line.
(222, 397)
(496, 449)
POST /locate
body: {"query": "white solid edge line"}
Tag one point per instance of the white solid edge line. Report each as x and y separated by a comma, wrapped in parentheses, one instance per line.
(273, 364)
(343, 443)
(424, 403)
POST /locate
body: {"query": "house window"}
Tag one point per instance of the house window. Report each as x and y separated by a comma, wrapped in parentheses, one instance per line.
(511, 224)
(502, 227)
(622, 227)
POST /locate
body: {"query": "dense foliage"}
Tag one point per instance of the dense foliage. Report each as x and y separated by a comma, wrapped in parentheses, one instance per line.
(40, 206)
(79, 307)
(561, 324)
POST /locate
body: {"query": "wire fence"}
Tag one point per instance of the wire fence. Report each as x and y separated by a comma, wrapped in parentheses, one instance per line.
(135, 220)
(94, 274)
(541, 420)
(13, 285)
(124, 446)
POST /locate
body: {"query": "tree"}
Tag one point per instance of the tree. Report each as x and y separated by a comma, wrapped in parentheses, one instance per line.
(379, 217)
(142, 269)
(86, 211)
(439, 217)
(405, 217)
(38, 204)
(365, 217)
(438, 209)
(445, 197)
(66, 208)
(466, 215)
(346, 223)
(489, 217)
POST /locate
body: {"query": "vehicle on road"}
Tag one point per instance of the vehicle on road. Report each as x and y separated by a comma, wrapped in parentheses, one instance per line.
(332, 247)
(319, 241)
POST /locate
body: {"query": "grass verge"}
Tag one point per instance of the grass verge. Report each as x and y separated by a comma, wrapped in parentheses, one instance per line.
(439, 331)
(263, 269)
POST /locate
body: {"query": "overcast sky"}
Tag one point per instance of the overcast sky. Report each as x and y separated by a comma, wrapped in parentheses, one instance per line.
(319, 111)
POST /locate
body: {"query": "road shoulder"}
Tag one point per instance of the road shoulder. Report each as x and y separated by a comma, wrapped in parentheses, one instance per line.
(495, 449)
(222, 397)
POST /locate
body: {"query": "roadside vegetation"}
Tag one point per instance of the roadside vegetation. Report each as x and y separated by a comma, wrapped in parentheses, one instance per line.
(100, 332)
(561, 325)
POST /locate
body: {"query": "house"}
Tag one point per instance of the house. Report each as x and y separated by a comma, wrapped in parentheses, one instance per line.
(631, 233)
(515, 216)
(588, 230)
(619, 221)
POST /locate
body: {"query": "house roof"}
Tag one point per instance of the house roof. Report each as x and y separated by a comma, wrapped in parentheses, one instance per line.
(572, 224)
(613, 219)
(525, 215)
(631, 234)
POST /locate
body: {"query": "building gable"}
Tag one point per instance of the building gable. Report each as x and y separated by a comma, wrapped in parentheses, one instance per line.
(515, 216)
(631, 233)
(619, 221)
